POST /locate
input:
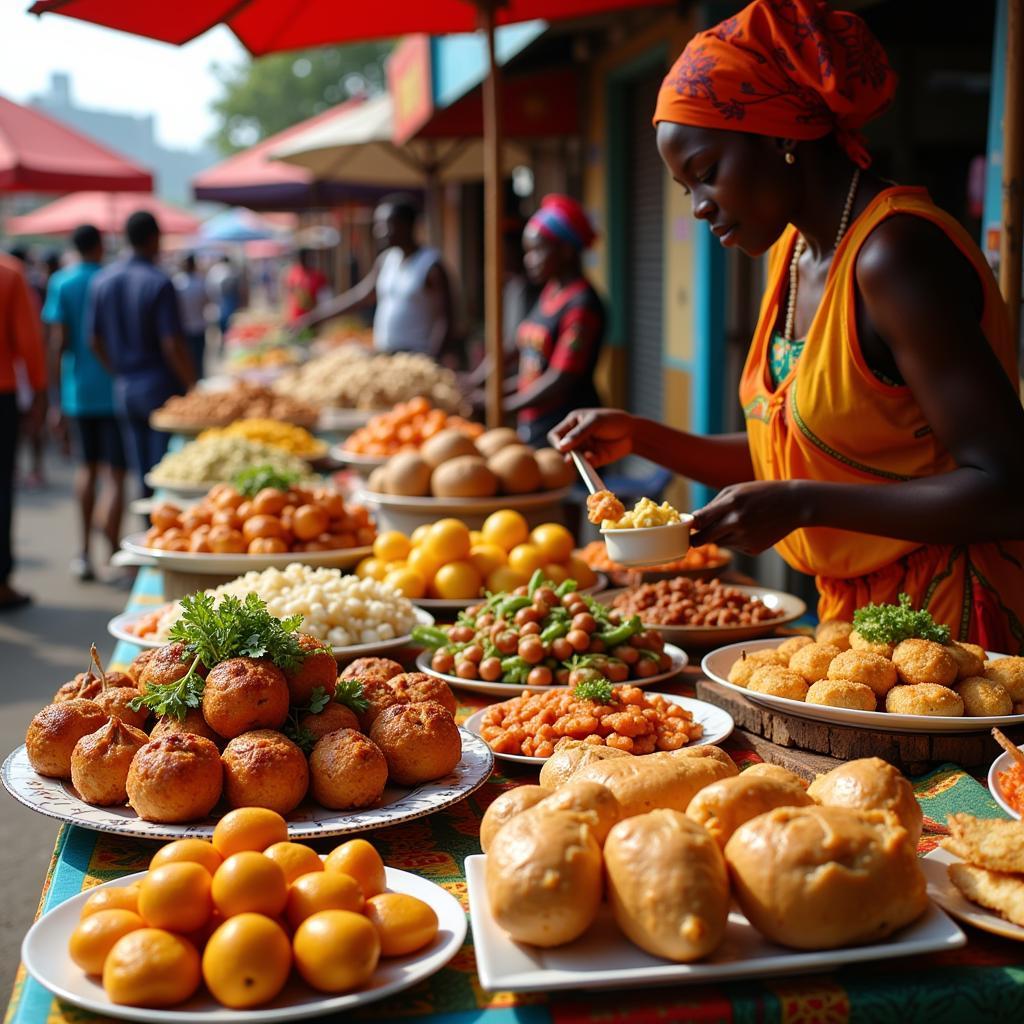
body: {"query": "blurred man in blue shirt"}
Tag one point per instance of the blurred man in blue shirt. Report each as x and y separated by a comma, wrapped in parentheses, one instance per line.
(136, 334)
(86, 397)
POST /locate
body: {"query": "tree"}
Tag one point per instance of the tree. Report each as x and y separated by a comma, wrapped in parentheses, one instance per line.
(264, 95)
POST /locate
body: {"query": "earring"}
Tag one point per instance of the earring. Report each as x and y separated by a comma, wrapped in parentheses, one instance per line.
(790, 158)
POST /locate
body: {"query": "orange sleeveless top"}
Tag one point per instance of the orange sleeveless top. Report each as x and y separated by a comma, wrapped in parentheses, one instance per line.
(832, 420)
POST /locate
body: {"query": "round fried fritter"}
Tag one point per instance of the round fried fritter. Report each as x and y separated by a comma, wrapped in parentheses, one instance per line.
(789, 647)
(318, 669)
(379, 696)
(87, 686)
(969, 658)
(54, 731)
(749, 661)
(812, 661)
(983, 697)
(116, 700)
(242, 694)
(924, 661)
(1009, 672)
(416, 687)
(139, 663)
(864, 667)
(263, 768)
(333, 717)
(859, 643)
(175, 779)
(924, 699)
(101, 761)
(779, 682)
(167, 665)
(836, 632)
(842, 693)
(347, 770)
(372, 668)
(420, 742)
(774, 771)
(193, 724)
(505, 807)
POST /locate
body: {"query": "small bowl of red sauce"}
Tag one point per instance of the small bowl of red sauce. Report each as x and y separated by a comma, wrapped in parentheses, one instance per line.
(1006, 783)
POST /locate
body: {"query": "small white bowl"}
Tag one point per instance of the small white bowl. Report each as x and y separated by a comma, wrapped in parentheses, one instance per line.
(648, 545)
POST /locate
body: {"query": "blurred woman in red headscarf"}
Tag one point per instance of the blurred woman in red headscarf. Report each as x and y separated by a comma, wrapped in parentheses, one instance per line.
(560, 339)
(882, 450)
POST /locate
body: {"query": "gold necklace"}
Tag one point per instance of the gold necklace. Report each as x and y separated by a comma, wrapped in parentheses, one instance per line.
(798, 250)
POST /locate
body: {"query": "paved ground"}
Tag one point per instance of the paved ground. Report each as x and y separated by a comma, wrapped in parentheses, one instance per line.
(40, 648)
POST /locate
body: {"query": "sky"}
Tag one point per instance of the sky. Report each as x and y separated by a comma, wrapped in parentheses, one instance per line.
(114, 71)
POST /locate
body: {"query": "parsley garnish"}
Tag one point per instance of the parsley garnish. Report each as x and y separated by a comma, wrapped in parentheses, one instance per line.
(892, 623)
(251, 481)
(350, 693)
(318, 700)
(599, 690)
(174, 699)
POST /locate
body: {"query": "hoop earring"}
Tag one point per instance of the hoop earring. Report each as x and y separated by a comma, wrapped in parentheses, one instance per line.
(790, 158)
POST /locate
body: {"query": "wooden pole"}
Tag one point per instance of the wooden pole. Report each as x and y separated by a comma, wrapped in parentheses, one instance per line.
(493, 213)
(1010, 263)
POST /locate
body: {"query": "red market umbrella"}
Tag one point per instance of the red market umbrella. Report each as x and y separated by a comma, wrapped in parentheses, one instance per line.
(107, 211)
(39, 154)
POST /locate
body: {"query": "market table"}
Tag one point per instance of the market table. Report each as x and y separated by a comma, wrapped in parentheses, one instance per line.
(983, 981)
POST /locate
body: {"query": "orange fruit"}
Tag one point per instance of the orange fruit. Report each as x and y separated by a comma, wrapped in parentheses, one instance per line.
(419, 534)
(195, 851)
(476, 537)
(391, 546)
(423, 561)
(151, 968)
(336, 950)
(176, 896)
(457, 581)
(247, 961)
(407, 581)
(553, 540)
(448, 540)
(506, 528)
(249, 882)
(294, 859)
(249, 828)
(581, 572)
(322, 890)
(359, 860)
(122, 897)
(555, 571)
(487, 557)
(526, 559)
(506, 579)
(372, 568)
(404, 923)
(96, 934)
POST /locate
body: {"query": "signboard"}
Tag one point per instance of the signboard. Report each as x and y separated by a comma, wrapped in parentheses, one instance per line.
(409, 83)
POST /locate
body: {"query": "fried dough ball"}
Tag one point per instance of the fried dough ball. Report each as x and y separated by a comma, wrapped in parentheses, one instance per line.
(263, 768)
(374, 668)
(789, 647)
(115, 701)
(812, 661)
(416, 687)
(379, 696)
(139, 663)
(836, 632)
(969, 658)
(774, 771)
(54, 731)
(167, 665)
(859, 643)
(1010, 673)
(924, 661)
(505, 807)
(779, 682)
(193, 724)
(318, 668)
(347, 770)
(87, 686)
(864, 667)
(420, 742)
(101, 761)
(604, 505)
(728, 803)
(175, 779)
(924, 699)
(242, 694)
(842, 693)
(983, 697)
(334, 716)
(749, 661)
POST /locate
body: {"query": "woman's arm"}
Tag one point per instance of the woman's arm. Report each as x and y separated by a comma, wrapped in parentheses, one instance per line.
(360, 294)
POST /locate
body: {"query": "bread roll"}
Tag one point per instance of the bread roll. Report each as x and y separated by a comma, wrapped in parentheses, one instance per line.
(870, 784)
(595, 804)
(668, 885)
(570, 756)
(725, 805)
(825, 877)
(774, 771)
(544, 877)
(716, 753)
(505, 807)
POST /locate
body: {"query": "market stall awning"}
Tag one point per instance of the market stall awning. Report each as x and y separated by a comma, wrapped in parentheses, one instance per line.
(106, 211)
(39, 154)
(239, 225)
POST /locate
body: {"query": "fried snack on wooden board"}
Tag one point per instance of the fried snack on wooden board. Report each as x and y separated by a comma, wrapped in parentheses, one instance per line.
(996, 890)
(990, 843)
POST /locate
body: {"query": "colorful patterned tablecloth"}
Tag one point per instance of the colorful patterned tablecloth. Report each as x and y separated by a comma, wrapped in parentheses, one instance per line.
(984, 981)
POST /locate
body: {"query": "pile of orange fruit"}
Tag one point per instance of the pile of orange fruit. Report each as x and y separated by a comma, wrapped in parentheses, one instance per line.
(240, 912)
(448, 560)
(405, 428)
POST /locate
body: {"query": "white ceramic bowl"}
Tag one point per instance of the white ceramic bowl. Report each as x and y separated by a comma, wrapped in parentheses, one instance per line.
(649, 545)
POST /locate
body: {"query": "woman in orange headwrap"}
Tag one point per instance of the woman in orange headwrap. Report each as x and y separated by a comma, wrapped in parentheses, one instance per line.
(884, 449)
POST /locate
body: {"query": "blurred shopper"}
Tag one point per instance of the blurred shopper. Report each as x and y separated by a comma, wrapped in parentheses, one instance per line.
(33, 434)
(21, 347)
(224, 287)
(408, 283)
(304, 287)
(191, 289)
(135, 331)
(86, 392)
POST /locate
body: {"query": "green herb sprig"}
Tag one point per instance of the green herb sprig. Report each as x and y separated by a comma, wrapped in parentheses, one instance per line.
(599, 690)
(174, 699)
(348, 692)
(893, 623)
(251, 481)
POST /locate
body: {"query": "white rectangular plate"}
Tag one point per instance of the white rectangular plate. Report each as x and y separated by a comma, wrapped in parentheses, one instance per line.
(605, 958)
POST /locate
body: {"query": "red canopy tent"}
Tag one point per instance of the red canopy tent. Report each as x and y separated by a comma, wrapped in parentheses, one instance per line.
(39, 154)
(107, 211)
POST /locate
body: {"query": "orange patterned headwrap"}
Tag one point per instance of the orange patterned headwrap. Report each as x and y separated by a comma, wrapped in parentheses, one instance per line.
(787, 68)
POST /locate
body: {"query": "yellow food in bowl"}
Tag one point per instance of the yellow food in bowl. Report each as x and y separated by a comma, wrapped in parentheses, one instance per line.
(643, 514)
(285, 436)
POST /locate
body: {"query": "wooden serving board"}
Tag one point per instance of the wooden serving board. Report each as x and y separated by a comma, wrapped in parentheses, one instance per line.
(790, 741)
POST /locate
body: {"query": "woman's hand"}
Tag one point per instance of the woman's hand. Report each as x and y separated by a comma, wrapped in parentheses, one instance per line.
(600, 435)
(751, 517)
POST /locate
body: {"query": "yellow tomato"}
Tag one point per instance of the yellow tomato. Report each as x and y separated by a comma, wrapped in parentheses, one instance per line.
(476, 537)
(555, 571)
(294, 859)
(176, 896)
(505, 579)
(525, 559)
(404, 923)
(407, 581)
(94, 938)
(448, 540)
(249, 882)
(249, 828)
(124, 897)
(372, 568)
(359, 860)
(553, 540)
(506, 528)
(152, 968)
(247, 961)
(487, 557)
(457, 581)
(419, 535)
(196, 851)
(581, 572)
(336, 950)
(391, 546)
(423, 561)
